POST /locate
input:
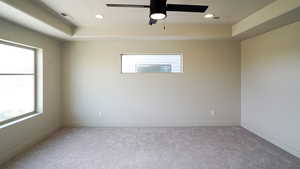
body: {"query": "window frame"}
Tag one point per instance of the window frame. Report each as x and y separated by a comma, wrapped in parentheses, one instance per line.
(35, 75)
(141, 53)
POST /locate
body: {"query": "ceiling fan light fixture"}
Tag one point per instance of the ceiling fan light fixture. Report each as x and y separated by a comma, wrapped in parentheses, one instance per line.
(158, 16)
(158, 10)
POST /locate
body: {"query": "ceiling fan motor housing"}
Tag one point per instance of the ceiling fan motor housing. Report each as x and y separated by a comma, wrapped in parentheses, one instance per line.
(158, 7)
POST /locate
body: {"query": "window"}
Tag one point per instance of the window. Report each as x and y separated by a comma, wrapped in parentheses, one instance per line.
(151, 63)
(17, 81)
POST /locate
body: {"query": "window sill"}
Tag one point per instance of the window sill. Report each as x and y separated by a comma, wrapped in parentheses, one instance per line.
(18, 120)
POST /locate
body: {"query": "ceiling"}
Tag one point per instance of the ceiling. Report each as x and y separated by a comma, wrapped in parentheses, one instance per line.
(82, 12)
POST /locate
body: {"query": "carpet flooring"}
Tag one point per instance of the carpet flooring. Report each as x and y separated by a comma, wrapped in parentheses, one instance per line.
(154, 148)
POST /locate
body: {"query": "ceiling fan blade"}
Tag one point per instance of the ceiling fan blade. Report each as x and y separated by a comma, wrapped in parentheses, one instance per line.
(152, 21)
(128, 5)
(186, 8)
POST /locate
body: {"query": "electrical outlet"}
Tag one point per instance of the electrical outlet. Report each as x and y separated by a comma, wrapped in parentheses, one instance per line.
(212, 112)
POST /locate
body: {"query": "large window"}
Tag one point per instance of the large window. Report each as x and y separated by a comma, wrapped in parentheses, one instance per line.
(171, 63)
(17, 81)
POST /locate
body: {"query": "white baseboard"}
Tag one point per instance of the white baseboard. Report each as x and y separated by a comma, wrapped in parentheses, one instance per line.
(115, 124)
(294, 151)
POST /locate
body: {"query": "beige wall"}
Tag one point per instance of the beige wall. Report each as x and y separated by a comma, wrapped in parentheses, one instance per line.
(17, 137)
(271, 86)
(93, 84)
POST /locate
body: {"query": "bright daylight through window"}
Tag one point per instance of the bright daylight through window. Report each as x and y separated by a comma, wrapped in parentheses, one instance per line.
(17, 81)
(151, 63)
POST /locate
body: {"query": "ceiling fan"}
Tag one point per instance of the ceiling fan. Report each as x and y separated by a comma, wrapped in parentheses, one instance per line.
(159, 8)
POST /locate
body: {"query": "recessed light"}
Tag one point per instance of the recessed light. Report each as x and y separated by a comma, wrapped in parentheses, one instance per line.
(209, 16)
(98, 16)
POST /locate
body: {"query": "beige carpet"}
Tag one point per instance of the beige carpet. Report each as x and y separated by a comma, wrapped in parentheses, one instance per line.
(154, 148)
